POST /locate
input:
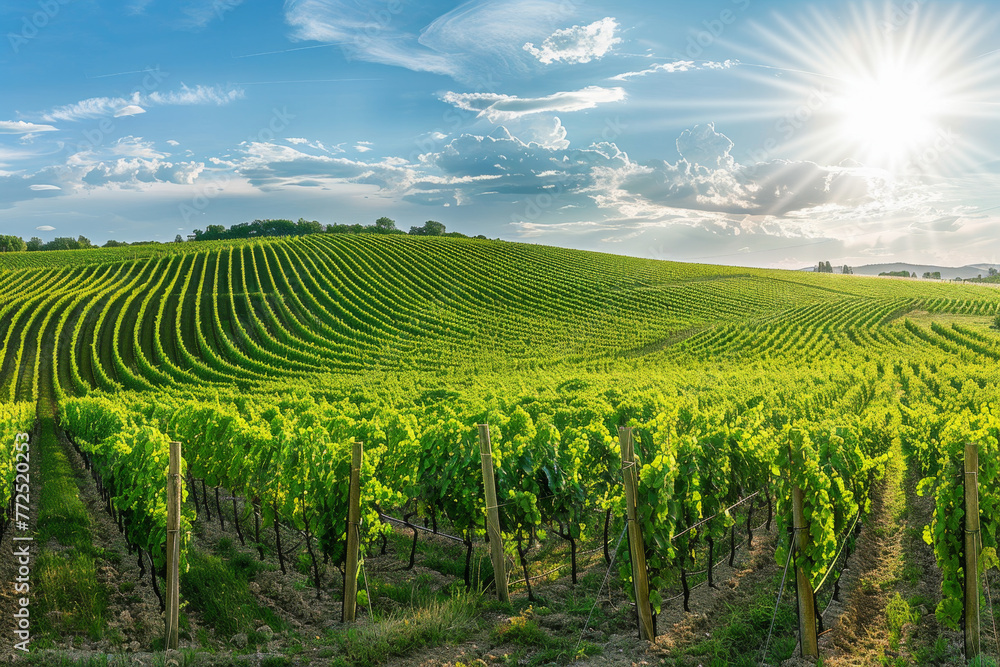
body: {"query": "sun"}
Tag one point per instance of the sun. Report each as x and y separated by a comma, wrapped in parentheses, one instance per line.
(884, 86)
(888, 117)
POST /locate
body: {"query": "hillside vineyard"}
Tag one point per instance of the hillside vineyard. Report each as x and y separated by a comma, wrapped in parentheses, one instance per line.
(267, 359)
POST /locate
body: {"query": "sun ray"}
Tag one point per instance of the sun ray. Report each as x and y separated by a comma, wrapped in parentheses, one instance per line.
(897, 86)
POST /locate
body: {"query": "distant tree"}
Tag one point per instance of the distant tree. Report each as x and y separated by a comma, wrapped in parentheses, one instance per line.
(385, 224)
(178, 239)
(111, 243)
(847, 271)
(12, 244)
(480, 236)
(211, 233)
(308, 227)
(993, 272)
(337, 228)
(83, 242)
(34, 244)
(62, 243)
(429, 228)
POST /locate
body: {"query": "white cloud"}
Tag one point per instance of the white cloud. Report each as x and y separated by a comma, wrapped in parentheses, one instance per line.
(676, 66)
(270, 166)
(42, 187)
(46, 228)
(133, 172)
(200, 13)
(96, 107)
(173, 142)
(130, 110)
(579, 44)
(297, 140)
(187, 96)
(362, 149)
(363, 33)
(21, 127)
(707, 178)
(135, 147)
(498, 108)
(471, 43)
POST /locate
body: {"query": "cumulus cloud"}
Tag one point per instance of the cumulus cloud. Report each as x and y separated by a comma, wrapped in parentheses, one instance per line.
(133, 172)
(706, 182)
(173, 142)
(272, 166)
(472, 166)
(21, 127)
(707, 178)
(499, 108)
(676, 66)
(96, 107)
(703, 145)
(579, 44)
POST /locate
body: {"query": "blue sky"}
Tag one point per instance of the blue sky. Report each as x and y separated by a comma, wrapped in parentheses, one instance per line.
(727, 131)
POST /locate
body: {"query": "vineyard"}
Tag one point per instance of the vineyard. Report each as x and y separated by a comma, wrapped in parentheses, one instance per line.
(759, 411)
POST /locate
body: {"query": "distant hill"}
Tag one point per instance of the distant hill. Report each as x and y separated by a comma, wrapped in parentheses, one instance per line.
(947, 272)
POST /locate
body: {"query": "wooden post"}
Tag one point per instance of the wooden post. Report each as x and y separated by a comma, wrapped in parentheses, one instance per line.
(973, 541)
(353, 537)
(636, 544)
(173, 545)
(807, 601)
(493, 515)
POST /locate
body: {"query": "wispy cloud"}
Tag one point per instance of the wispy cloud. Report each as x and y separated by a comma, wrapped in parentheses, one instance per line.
(579, 44)
(217, 95)
(21, 127)
(130, 110)
(200, 13)
(96, 107)
(137, 6)
(469, 43)
(677, 66)
(498, 108)
(364, 30)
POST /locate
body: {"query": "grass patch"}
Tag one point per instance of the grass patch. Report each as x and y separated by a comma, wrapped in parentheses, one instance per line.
(69, 599)
(218, 589)
(439, 622)
(742, 630)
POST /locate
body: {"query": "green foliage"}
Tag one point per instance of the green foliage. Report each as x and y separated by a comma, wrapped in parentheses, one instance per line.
(897, 614)
(429, 228)
(10, 243)
(268, 357)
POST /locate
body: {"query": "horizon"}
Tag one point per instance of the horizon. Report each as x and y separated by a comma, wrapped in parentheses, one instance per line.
(733, 132)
